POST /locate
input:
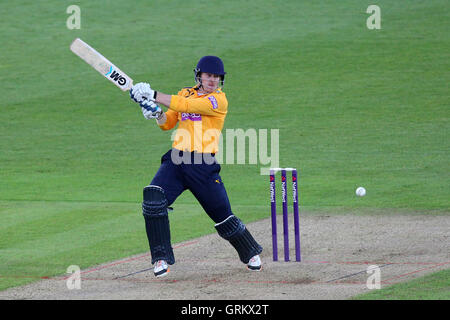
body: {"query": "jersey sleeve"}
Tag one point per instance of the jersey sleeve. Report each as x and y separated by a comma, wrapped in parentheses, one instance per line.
(171, 120)
(211, 104)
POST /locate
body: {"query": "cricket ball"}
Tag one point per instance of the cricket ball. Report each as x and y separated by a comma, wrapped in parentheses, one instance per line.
(360, 192)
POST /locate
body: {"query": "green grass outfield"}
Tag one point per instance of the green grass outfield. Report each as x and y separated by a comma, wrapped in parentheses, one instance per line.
(435, 286)
(353, 106)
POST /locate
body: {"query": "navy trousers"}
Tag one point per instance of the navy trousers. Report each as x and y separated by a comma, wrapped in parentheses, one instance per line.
(198, 176)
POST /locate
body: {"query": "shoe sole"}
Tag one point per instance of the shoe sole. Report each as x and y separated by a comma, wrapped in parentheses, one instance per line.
(254, 268)
(162, 273)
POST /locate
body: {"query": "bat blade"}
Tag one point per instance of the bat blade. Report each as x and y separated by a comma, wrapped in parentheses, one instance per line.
(101, 64)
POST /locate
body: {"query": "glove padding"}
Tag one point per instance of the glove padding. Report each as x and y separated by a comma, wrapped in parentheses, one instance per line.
(141, 92)
(150, 109)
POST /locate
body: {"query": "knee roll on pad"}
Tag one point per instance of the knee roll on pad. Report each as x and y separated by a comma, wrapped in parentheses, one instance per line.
(233, 230)
(154, 209)
(155, 202)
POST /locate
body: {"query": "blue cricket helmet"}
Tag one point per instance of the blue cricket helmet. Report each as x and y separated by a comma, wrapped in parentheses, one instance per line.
(210, 64)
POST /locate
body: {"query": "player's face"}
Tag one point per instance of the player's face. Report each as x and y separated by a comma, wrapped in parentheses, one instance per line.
(210, 82)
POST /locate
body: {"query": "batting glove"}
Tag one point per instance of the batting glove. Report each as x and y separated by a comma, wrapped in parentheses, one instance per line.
(141, 92)
(150, 110)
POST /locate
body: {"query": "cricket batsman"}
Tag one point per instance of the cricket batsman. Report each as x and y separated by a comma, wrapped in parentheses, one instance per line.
(200, 113)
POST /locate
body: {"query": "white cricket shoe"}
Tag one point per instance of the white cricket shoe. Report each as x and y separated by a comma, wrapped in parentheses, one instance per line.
(161, 268)
(254, 264)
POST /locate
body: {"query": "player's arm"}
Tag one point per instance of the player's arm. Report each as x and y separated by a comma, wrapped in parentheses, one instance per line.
(163, 98)
(209, 105)
(167, 120)
(212, 104)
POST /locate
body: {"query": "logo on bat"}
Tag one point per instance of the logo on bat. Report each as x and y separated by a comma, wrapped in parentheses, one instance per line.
(113, 74)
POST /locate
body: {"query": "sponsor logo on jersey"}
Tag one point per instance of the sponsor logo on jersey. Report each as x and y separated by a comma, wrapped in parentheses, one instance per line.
(191, 116)
(214, 103)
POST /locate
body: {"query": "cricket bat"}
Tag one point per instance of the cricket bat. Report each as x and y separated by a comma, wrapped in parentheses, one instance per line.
(101, 64)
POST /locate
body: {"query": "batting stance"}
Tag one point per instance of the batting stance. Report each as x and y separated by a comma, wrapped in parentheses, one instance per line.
(200, 113)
